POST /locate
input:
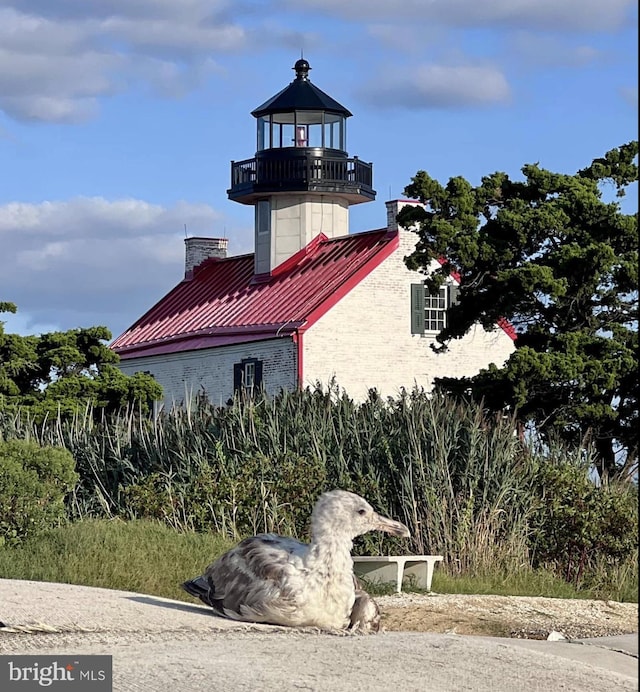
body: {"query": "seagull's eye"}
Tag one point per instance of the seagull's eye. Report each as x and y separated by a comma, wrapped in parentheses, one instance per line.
(362, 512)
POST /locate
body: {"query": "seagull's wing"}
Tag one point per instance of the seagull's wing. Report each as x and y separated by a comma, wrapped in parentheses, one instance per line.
(261, 579)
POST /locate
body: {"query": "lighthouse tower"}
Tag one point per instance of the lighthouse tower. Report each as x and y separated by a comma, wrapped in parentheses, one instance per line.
(301, 180)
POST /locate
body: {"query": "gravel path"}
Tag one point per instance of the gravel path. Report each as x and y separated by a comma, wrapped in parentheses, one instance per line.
(519, 617)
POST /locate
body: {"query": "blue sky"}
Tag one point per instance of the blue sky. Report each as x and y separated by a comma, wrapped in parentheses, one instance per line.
(119, 119)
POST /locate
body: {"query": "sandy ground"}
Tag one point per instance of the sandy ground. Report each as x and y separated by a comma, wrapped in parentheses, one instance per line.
(507, 616)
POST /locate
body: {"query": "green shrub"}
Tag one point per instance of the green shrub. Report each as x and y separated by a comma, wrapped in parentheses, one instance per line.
(580, 526)
(33, 483)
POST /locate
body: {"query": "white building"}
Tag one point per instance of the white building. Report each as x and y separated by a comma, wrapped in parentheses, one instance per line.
(313, 302)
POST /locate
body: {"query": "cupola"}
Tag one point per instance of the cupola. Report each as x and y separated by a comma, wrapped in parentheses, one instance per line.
(301, 179)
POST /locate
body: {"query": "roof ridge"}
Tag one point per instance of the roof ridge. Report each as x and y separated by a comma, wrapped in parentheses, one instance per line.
(295, 259)
(359, 234)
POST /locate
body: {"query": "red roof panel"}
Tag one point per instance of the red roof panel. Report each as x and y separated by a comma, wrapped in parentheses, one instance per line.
(223, 303)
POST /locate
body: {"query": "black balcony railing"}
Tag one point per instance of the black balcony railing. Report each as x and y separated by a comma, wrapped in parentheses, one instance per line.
(262, 175)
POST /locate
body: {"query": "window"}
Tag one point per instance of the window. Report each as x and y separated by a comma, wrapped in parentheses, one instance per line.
(264, 132)
(435, 310)
(429, 311)
(247, 375)
(263, 216)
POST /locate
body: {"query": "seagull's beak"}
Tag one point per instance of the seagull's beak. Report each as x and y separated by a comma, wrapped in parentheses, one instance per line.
(395, 528)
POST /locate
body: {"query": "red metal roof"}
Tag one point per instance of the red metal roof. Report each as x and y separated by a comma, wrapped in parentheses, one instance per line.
(222, 303)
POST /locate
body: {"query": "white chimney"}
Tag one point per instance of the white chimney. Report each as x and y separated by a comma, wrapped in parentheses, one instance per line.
(393, 209)
(197, 250)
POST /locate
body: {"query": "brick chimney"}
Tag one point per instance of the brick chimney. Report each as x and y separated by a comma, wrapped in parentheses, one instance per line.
(197, 250)
(393, 209)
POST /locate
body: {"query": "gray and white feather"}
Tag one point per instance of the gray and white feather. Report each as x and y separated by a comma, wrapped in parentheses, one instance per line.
(281, 581)
(365, 614)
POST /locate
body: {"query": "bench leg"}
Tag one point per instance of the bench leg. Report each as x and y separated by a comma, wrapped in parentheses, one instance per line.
(430, 566)
(400, 575)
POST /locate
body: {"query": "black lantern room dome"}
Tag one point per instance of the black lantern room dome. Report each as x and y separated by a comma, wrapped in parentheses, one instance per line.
(301, 147)
(301, 95)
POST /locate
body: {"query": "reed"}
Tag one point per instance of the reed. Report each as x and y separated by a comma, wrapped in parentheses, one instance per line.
(466, 485)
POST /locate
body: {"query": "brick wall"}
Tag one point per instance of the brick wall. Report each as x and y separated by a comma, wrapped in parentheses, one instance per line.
(365, 340)
(184, 375)
(197, 250)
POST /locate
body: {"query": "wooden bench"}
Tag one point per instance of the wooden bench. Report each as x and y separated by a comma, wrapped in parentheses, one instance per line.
(393, 568)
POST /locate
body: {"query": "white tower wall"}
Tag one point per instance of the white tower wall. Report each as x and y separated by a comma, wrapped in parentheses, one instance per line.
(288, 222)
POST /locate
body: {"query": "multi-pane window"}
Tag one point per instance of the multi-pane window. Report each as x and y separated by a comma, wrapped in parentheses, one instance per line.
(247, 375)
(302, 129)
(435, 310)
(429, 311)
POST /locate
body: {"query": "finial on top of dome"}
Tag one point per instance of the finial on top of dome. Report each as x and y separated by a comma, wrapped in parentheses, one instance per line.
(302, 68)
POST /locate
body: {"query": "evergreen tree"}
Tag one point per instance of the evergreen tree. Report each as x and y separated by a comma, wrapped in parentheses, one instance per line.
(559, 261)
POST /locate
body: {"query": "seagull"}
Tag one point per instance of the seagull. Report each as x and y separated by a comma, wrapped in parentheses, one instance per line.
(281, 581)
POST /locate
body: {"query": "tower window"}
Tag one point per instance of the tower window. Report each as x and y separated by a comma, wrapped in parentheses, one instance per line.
(302, 136)
(263, 216)
(264, 132)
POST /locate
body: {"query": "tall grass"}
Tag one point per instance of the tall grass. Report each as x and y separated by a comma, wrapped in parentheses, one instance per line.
(457, 479)
(463, 482)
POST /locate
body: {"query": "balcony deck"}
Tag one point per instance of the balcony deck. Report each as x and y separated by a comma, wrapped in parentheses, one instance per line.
(262, 175)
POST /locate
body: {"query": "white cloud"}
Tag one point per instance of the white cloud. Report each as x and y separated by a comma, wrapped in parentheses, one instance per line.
(544, 50)
(51, 109)
(554, 15)
(96, 216)
(22, 323)
(57, 59)
(169, 9)
(93, 261)
(410, 38)
(29, 34)
(168, 37)
(50, 84)
(437, 86)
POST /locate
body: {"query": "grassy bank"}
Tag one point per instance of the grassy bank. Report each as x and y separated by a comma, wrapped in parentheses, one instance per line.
(142, 556)
(150, 557)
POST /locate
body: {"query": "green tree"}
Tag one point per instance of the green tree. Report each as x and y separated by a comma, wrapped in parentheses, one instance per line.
(62, 372)
(557, 260)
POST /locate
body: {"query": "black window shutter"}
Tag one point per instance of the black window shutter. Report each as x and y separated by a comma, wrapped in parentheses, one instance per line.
(417, 308)
(452, 299)
(258, 374)
(238, 369)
